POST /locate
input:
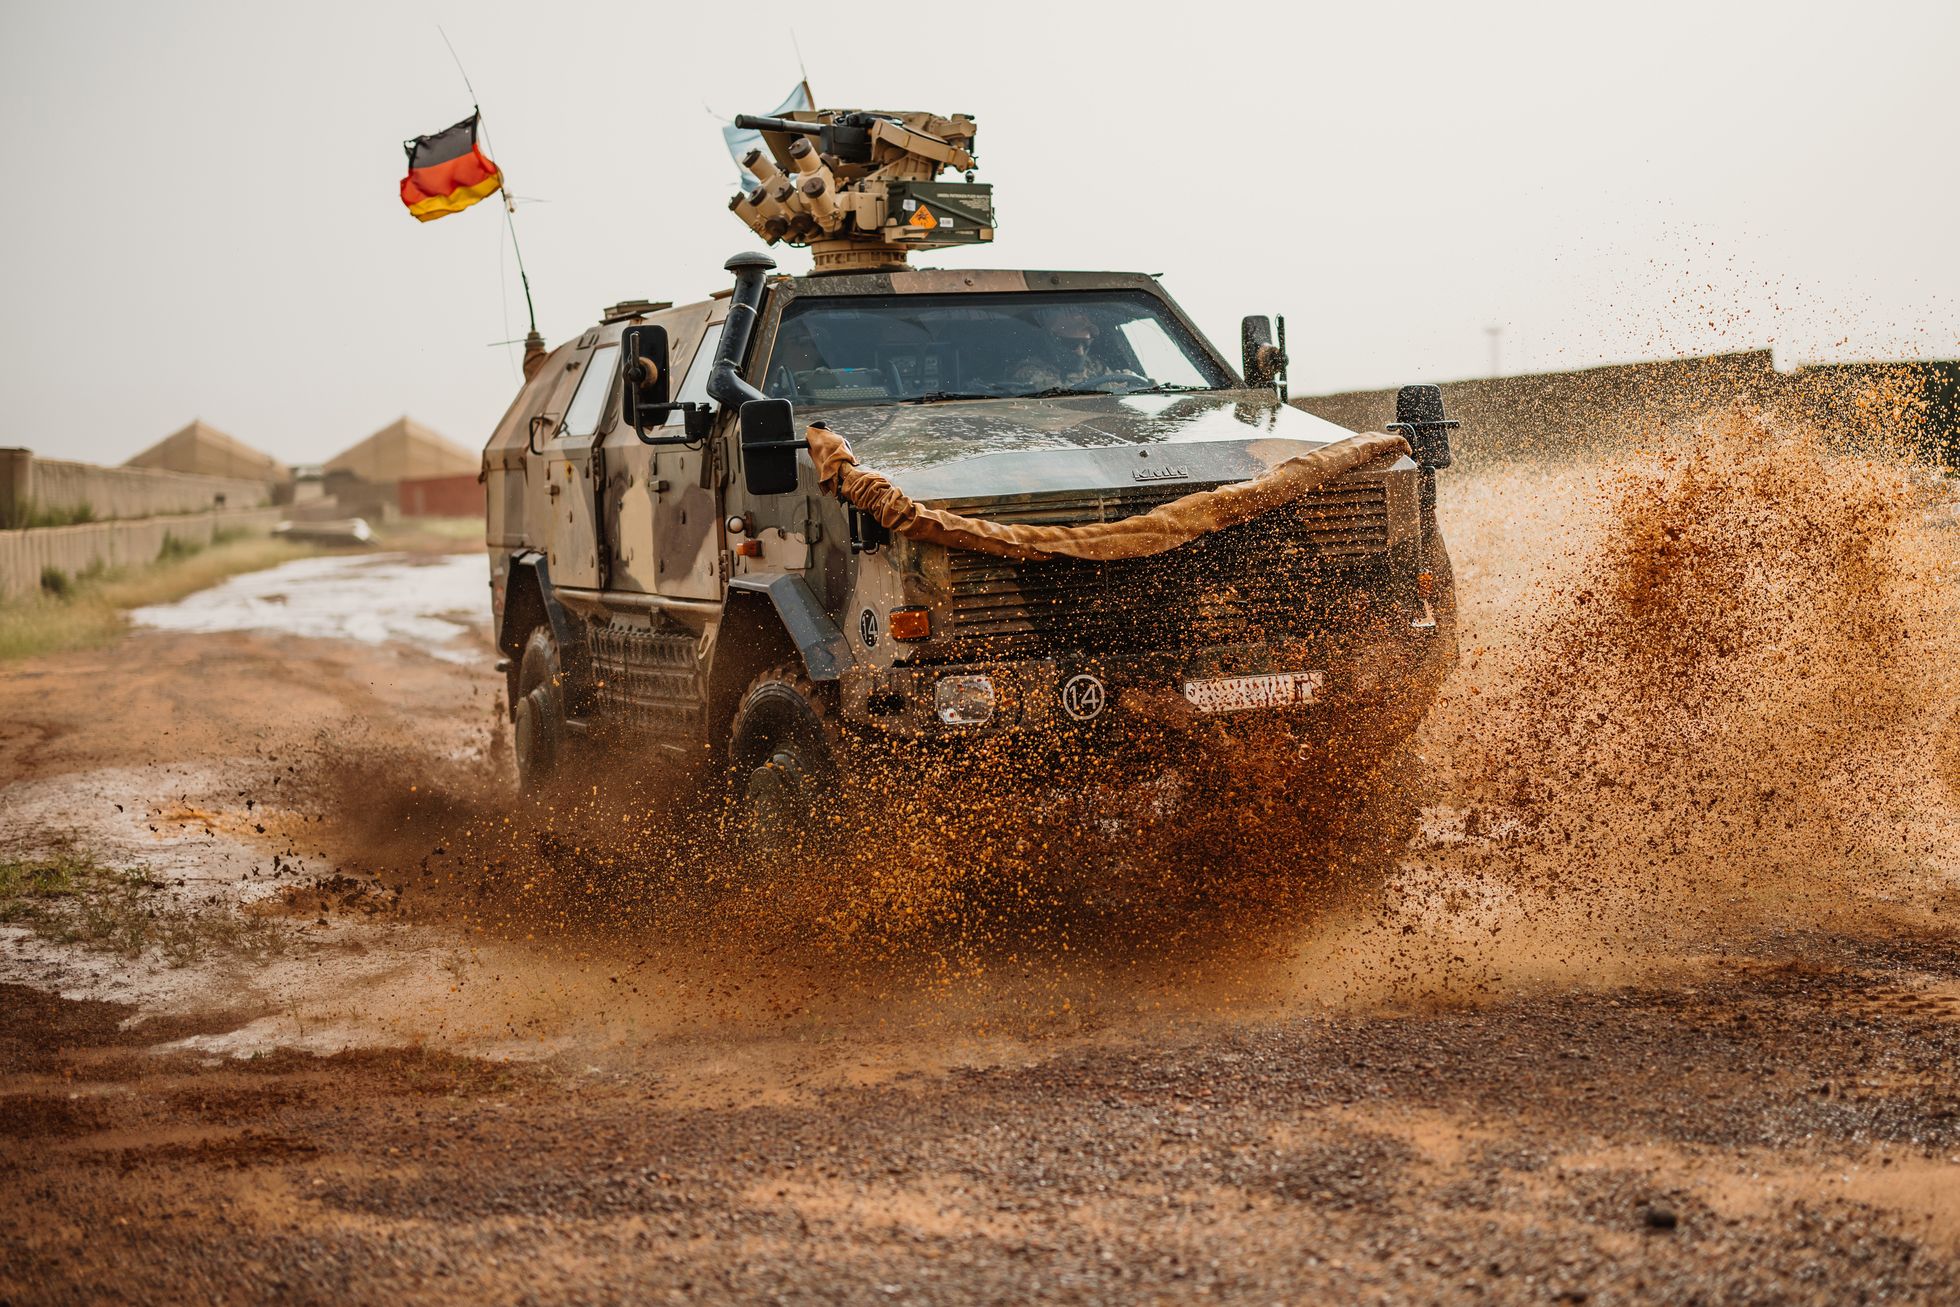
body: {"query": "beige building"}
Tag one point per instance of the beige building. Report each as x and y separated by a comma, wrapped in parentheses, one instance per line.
(404, 450)
(202, 450)
(367, 480)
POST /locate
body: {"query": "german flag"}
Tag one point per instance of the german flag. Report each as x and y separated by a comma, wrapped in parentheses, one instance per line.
(447, 173)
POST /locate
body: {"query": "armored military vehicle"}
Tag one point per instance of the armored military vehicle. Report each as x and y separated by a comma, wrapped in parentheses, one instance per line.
(674, 571)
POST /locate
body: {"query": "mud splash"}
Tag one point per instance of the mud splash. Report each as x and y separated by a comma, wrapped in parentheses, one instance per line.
(1700, 703)
(1716, 715)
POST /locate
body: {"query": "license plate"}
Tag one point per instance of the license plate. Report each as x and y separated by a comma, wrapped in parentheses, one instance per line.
(1238, 693)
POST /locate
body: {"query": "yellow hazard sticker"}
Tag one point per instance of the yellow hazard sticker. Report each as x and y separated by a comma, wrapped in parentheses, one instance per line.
(922, 218)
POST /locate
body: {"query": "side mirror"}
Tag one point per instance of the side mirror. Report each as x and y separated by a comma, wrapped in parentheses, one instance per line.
(644, 387)
(769, 445)
(1264, 358)
(1419, 417)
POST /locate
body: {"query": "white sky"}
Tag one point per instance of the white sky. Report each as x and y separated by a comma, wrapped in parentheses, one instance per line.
(202, 216)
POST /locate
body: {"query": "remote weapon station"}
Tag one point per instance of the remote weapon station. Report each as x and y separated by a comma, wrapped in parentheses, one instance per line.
(858, 188)
(815, 519)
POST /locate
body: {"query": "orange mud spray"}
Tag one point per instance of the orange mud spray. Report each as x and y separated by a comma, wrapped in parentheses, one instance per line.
(1701, 699)
(1717, 705)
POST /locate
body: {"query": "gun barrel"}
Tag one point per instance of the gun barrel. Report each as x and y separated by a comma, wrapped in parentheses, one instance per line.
(750, 122)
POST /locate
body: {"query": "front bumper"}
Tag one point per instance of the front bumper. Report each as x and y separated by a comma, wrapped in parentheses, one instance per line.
(1089, 695)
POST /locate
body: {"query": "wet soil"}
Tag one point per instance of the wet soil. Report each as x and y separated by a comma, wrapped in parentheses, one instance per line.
(1790, 1134)
(1470, 1083)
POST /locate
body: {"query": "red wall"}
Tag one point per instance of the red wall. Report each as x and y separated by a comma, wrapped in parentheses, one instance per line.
(457, 496)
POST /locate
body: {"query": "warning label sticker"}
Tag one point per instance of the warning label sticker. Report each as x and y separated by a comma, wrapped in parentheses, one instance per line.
(922, 218)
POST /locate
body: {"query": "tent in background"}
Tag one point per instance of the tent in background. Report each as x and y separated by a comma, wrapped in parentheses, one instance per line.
(204, 450)
(404, 450)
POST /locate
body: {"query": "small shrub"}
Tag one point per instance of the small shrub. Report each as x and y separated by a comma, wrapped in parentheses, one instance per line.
(175, 549)
(56, 582)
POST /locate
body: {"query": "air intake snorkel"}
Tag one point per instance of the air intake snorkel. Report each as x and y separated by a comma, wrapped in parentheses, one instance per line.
(725, 383)
(769, 442)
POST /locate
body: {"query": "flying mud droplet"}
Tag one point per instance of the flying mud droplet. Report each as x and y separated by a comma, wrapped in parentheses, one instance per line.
(1699, 700)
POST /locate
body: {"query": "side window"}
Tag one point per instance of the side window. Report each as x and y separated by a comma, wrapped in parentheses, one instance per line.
(594, 388)
(694, 386)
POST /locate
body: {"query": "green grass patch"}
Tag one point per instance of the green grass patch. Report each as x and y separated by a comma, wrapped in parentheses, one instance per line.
(90, 609)
(15, 517)
(24, 882)
(74, 900)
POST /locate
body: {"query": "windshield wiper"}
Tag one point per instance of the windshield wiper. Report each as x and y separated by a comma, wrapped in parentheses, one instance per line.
(936, 396)
(1054, 392)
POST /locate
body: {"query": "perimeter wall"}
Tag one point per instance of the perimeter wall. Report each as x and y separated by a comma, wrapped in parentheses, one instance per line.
(37, 491)
(1554, 414)
(73, 550)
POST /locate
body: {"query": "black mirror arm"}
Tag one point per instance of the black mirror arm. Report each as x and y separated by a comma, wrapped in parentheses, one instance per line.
(1281, 377)
(1413, 429)
(1421, 448)
(695, 419)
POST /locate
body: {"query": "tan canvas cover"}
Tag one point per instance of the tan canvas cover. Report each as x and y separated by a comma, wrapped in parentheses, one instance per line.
(203, 450)
(1162, 528)
(404, 450)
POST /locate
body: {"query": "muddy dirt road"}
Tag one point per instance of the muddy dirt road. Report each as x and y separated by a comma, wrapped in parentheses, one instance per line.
(1659, 1001)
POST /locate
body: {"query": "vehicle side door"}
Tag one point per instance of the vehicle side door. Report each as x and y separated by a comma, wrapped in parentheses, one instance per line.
(690, 540)
(574, 465)
(648, 485)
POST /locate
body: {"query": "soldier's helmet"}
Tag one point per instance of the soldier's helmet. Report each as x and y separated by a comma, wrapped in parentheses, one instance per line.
(1072, 325)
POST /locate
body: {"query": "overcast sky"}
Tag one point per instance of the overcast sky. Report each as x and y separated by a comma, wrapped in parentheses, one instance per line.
(202, 216)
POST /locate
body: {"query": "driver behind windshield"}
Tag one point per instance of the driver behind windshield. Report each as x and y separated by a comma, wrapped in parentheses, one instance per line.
(864, 349)
(1064, 356)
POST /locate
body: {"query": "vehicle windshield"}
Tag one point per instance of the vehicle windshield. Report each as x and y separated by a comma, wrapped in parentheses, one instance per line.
(920, 348)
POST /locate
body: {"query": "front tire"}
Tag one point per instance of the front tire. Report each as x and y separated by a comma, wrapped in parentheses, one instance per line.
(785, 753)
(538, 713)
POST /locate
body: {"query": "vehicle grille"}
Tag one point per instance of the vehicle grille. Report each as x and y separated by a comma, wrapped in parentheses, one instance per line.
(1262, 579)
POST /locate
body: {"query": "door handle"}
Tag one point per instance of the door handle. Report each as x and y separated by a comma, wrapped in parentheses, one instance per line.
(539, 421)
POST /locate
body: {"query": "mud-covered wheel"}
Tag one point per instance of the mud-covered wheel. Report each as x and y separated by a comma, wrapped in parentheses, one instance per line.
(785, 755)
(538, 718)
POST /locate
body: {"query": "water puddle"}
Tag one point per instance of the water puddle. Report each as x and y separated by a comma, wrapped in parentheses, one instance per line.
(436, 604)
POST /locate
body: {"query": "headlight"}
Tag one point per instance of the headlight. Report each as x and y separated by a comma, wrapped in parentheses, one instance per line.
(964, 700)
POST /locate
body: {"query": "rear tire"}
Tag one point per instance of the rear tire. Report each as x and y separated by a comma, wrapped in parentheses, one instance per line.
(538, 714)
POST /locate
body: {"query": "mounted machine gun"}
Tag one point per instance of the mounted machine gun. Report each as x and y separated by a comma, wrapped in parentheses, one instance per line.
(857, 186)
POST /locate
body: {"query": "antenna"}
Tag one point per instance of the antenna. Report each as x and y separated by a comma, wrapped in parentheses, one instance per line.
(459, 63)
(801, 71)
(510, 204)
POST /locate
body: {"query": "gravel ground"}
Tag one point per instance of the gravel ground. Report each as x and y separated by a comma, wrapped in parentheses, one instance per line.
(1790, 1132)
(1676, 1021)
